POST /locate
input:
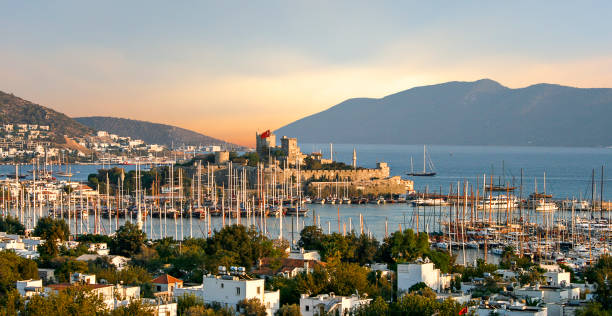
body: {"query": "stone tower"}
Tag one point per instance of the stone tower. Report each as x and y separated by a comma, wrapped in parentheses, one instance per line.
(354, 158)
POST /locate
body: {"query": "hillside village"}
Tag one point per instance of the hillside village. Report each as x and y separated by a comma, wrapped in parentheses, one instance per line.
(127, 271)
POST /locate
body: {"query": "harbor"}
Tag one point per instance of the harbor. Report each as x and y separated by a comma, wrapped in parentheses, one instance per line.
(479, 216)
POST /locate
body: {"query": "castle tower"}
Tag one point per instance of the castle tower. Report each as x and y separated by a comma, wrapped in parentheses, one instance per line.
(354, 158)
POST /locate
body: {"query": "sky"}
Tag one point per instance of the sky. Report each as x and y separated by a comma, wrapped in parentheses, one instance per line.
(230, 68)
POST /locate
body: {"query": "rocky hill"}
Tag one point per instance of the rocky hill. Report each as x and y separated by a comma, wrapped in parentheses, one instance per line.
(482, 112)
(15, 110)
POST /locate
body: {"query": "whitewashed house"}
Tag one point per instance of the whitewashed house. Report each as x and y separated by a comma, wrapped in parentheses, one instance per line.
(421, 271)
(330, 304)
(229, 290)
(29, 288)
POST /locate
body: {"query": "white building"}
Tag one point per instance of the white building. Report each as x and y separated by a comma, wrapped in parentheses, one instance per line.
(557, 278)
(305, 255)
(101, 248)
(28, 288)
(329, 304)
(82, 278)
(421, 271)
(549, 294)
(119, 262)
(229, 290)
(213, 148)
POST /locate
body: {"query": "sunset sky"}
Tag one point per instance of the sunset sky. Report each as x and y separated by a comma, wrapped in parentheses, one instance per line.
(230, 68)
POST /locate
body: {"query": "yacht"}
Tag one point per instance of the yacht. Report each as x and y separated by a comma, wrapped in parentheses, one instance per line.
(498, 202)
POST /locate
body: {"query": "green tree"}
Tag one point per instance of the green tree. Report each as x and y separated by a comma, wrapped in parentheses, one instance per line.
(377, 307)
(288, 310)
(14, 268)
(252, 307)
(414, 304)
(12, 303)
(601, 275)
(128, 240)
(65, 266)
(205, 311)
(347, 278)
(52, 228)
(134, 308)
(186, 301)
(311, 238)
(11, 225)
(75, 300)
(48, 250)
(593, 309)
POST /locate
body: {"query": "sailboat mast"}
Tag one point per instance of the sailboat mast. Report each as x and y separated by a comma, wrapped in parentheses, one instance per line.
(424, 158)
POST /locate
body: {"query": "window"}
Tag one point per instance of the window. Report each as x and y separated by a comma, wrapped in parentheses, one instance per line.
(237, 291)
(159, 288)
(307, 308)
(222, 285)
(258, 290)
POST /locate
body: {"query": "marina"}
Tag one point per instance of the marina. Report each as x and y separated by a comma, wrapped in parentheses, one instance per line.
(477, 216)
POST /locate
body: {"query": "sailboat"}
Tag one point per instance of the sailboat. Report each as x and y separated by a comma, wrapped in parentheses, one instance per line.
(424, 173)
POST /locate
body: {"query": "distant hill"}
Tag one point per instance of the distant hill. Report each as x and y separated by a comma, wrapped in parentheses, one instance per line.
(152, 133)
(17, 110)
(482, 112)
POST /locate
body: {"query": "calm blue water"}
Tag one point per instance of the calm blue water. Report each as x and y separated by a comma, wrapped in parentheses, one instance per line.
(568, 174)
(568, 170)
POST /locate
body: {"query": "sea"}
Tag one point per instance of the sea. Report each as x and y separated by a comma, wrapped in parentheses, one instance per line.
(564, 172)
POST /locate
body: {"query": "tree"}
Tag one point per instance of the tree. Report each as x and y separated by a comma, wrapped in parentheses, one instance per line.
(375, 308)
(134, 308)
(51, 228)
(311, 238)
(601, 275)
(416, 304)
(128, 240)
(14, 268)
(11, 225)
(11, 303)
(252, 307)
(347, 278)
(48, 250)
(288, 310)
(367, 248)
(186, 301)
(200, 310)
(75, 300)
(65, 266)
(248, 244)
(593, 309)
(417, 287)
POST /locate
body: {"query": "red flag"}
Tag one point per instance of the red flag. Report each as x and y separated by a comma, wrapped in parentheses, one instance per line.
(463, 311)
(265, 134)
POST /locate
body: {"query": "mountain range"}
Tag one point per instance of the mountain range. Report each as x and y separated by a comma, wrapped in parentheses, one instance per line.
(15, 110)
(481, 112)
(151, 133)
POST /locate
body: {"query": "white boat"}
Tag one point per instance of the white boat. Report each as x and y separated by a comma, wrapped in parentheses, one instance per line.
(499, 202)
(578, 205)
(429, 202)
(543, 205)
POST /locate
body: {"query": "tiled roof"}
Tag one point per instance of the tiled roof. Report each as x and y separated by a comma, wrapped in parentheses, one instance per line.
(166, 279)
